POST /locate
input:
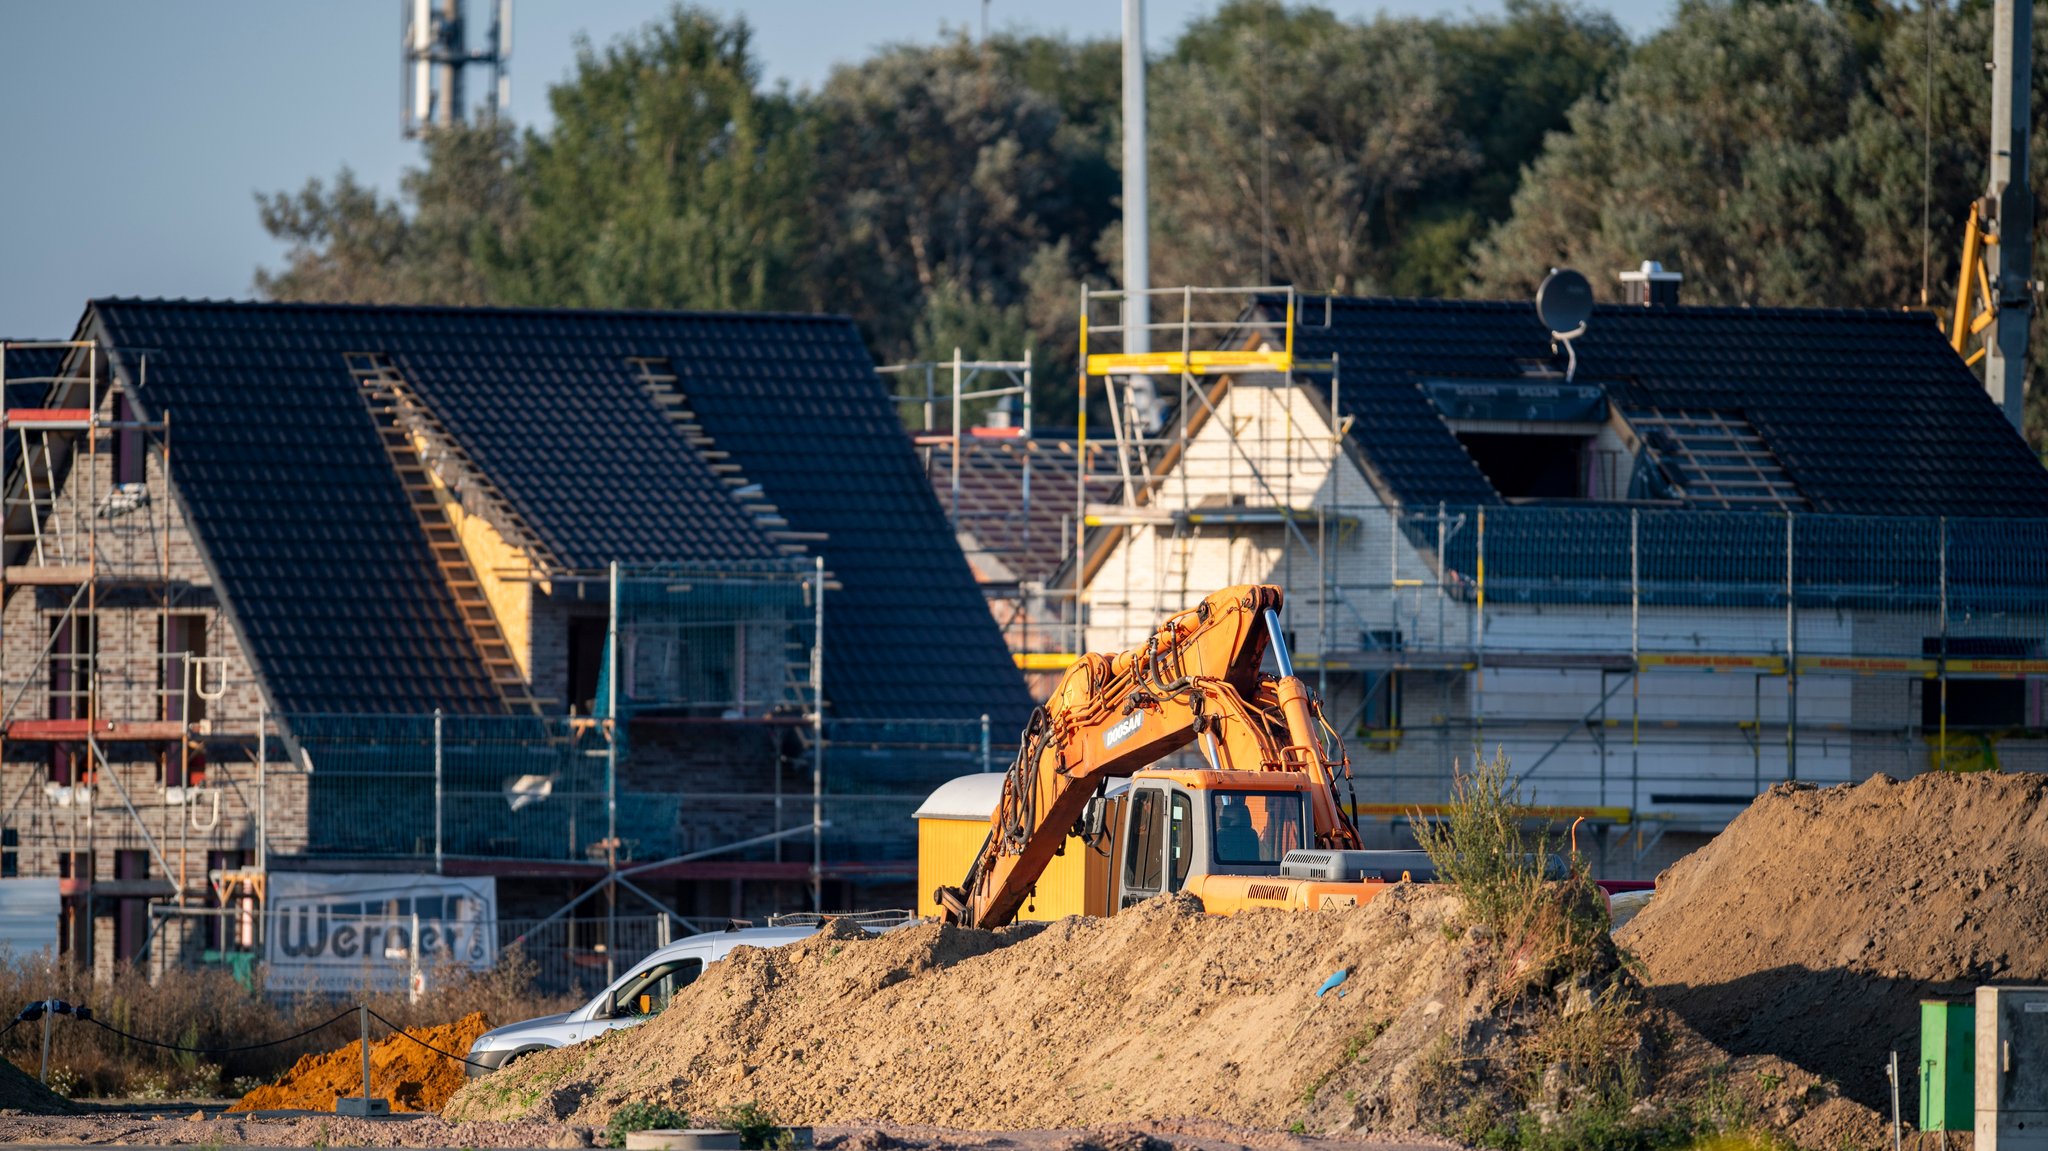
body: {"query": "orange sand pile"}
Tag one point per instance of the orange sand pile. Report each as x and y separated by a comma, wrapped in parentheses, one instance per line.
(410, 1076)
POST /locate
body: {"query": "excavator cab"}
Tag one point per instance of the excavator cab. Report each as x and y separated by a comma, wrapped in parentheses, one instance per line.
(1179, 825)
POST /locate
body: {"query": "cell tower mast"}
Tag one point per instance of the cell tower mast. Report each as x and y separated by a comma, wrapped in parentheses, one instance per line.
(435, 55)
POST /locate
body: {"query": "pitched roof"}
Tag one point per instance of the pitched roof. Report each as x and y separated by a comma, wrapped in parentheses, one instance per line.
(1868, 412)
(300, 513)
(551, 408)
(23, 365)
(1017, 496)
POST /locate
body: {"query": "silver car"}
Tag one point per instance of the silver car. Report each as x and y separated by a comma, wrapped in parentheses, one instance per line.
(642, 991)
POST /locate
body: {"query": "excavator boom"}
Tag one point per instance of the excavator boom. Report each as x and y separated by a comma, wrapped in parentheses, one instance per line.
(1196, 679)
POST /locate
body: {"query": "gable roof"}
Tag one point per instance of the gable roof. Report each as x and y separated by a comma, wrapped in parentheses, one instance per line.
(21, 366)
(303, 520)
(330, 574)
(1868, 412)
(1017, 496)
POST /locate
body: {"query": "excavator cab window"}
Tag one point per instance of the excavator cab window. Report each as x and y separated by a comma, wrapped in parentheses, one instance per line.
(1257, 826)
(1144, 845)
(1181, 833)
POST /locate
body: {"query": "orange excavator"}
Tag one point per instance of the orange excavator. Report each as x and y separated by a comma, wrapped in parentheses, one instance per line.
(1259, 825)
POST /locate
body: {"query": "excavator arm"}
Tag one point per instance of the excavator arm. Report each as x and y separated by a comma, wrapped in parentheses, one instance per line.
(1197, 678)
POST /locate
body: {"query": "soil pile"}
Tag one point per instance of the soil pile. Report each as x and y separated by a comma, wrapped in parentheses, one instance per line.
(410, 1076)
(1814, 924)
(1147, 1014)
(1159, 1012)
(21, 1094)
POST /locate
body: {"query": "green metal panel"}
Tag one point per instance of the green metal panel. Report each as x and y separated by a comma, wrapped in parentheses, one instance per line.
(1948, 1058)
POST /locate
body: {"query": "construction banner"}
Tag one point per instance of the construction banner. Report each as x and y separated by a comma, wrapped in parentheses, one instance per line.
(340, 933)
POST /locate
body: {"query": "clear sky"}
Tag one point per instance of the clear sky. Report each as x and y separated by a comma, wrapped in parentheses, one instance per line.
(134, 134)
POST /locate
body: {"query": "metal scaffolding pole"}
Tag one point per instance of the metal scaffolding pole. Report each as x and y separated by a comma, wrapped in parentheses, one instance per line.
(818, 739)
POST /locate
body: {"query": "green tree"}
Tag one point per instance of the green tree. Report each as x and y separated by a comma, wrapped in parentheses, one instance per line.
(1512, 82)
(1285, 141)
(1776, 154)
(1715, 154)
(669, 180)
(431, 245)
(949, 186)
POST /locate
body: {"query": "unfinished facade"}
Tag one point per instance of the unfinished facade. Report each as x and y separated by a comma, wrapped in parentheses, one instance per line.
(382, 545)
(1737, 546)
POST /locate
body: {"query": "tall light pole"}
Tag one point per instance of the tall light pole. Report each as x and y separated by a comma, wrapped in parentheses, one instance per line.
(2011, 260)
(1144, 403)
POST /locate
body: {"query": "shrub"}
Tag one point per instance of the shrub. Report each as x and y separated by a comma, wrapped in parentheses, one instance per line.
(759, 1130)
(1490, 847)
(641, 1117)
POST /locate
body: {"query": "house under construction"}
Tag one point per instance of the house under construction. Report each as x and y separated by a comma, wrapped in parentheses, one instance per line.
(533, 595)
(1691, 553)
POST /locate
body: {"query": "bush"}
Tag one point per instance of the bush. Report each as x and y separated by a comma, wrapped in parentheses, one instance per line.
(1494, 851)
(759, 1130)
(641, 1117)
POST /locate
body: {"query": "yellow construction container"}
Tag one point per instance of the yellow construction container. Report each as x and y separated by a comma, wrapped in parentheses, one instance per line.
(952, 824)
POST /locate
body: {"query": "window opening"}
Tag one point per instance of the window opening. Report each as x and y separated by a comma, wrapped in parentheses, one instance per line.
(1142, 853)
(1257, 827)
(1530, 466)
(1975, 703)
(1181, 839)
(586, 662)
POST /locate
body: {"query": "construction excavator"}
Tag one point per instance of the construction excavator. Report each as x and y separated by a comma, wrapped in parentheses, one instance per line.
(1258, 825)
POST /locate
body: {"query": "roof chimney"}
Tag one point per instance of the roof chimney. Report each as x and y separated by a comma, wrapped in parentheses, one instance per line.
(1650, 286)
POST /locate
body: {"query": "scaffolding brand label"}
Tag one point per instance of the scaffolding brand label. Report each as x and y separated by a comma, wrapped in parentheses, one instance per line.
(340, 932)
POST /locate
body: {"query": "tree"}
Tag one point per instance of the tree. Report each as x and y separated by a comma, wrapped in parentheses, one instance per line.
(951, 190)
(1284, 141)
(431, 245)
(1715, 154)
(1776, 154)
(1512, 82)
(669, 180)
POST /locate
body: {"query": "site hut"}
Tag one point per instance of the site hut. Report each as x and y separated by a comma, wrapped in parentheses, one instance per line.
(306, 599)
(1734, 546)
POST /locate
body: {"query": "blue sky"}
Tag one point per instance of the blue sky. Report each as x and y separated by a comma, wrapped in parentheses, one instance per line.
(136, 133)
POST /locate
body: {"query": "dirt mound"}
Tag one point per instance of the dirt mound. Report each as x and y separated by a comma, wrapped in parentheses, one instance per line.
(1811, 927)
(410, 1076)
(1160, 1012)
(21, 1094)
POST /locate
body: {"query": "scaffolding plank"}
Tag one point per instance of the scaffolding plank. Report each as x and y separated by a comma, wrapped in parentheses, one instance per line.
(107, 731)
(50, 417)
(48, 575)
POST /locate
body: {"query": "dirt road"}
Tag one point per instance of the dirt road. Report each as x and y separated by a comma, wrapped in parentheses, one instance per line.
(192, 1128)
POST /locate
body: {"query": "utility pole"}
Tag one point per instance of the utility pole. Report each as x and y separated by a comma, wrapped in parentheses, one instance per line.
(2008, 208)
(1143, 399)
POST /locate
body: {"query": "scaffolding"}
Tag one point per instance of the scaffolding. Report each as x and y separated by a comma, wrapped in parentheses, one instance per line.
(1647, 667)
(115, 695)
(993, 475)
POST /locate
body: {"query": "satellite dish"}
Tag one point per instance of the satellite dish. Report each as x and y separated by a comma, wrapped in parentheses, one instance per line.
(1564, 302)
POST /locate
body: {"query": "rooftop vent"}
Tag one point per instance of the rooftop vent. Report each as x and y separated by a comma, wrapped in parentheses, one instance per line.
(1650, 286)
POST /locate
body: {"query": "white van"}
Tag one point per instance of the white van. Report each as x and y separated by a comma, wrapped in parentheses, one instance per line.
(645, 989)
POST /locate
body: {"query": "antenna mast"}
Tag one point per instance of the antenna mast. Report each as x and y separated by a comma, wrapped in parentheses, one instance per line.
(434, 56)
